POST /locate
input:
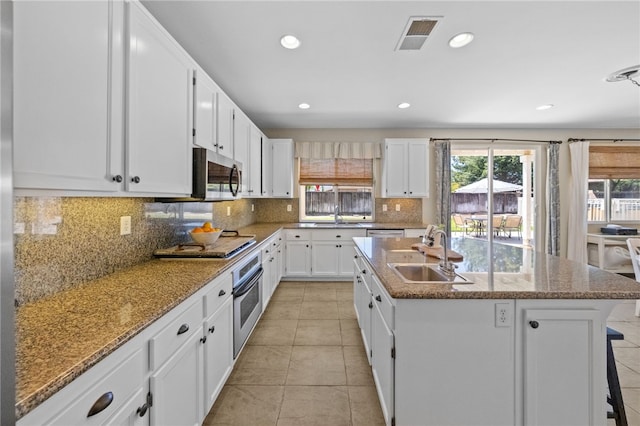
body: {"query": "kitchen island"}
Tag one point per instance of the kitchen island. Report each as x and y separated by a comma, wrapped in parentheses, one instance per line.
(521, 343)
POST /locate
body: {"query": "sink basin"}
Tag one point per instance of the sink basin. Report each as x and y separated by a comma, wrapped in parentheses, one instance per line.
(425, 274)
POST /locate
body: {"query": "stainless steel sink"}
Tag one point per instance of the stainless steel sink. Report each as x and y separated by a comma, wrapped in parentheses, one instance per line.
(425, 274)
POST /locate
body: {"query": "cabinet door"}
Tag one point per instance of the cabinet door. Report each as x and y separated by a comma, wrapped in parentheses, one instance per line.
(177, 386)
(395, 169)
(382, 362)
(559, 390)
(282, 168)
(363, 306)
(218, 352)
(241, 132)
(324, 261)
(417, 168)
(345, 258)
(225, 125)
(298, 258)
(267, 283)
(253, 170)
(204, 111)
(132, 413)
(160, 103)
(267, 167)
(68, 95)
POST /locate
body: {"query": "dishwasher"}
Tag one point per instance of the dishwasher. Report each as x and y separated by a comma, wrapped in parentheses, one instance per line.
(385, 233)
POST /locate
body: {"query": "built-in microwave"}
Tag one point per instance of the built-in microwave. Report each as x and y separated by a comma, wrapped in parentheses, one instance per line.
(215, 177)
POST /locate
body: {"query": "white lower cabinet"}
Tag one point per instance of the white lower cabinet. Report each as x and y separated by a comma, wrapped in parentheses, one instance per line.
(449, 362)
(218, 352)
(325, 253)
(177, 365)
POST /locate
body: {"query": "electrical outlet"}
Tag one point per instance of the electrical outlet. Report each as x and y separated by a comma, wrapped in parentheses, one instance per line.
(253, 207)
(288, 207)
(228, 210)
(503, 315)
(384, 207)
(397, 207)
(125, 225)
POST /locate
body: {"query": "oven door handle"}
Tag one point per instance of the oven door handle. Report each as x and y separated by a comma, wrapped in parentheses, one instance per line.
(244, 288)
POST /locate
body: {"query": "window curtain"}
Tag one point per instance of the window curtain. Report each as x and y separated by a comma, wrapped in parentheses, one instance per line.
(443, 184)
(344, 150)
(553, 200)
(579, 185)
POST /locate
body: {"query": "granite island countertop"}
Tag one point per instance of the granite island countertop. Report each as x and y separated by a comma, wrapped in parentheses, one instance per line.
(497, 271)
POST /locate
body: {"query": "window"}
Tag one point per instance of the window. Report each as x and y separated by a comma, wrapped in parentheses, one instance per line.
(336, 186)
(614, 184)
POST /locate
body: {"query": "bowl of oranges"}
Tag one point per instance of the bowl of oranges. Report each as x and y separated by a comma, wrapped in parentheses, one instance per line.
(205, 234)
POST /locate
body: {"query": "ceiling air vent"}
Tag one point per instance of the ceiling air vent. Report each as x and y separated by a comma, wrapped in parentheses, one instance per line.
(416, 32)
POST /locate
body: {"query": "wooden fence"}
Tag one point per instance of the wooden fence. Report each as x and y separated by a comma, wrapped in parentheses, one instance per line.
(349, 203)
(503, 203)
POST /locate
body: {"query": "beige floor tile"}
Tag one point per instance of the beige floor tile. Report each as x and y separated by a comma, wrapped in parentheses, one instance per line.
(274, 332)
(629, 357)
(357, 366)
(345, 295)
(365, 408)
(314, 294)
(267, 357)
(628, 377)
(318, 332)
(317, 365)
(319, 310)
(323, 285)
(288, 293)
(346, 310)
(630, 330)
(351, 336)
(631, 398)
(246, 405)
(315, 406)
(282, 309)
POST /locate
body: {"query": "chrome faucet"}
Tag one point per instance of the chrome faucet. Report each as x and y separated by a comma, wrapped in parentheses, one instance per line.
(336, 213)
(446, 266)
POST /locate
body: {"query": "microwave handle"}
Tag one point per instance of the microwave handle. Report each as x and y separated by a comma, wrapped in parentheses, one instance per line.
(234, 171)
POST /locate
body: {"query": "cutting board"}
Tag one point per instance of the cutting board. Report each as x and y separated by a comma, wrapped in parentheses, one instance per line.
(437, 252)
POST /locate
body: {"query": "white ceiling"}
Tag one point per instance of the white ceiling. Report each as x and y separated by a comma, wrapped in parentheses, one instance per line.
(525, 54)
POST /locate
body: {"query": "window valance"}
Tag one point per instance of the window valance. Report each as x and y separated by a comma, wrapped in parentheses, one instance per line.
(344, 150)
(614, 162)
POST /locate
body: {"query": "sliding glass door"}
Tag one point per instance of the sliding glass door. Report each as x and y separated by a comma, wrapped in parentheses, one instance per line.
(492, 193)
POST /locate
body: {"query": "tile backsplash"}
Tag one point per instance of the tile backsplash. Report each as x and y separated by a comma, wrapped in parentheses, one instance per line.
(61, 242)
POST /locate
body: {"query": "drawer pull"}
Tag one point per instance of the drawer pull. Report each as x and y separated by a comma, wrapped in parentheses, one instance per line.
(378, 298)
(183, 329)
(534, 324)
(338, 236)
(212, 329)
(101, 403)
(370, 305)
(203, 339)
(222, 293)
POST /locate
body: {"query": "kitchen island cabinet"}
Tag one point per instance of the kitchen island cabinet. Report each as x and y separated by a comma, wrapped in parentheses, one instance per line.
(490, 352)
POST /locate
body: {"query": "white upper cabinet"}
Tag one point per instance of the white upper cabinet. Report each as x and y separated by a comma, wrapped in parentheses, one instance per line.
(405, 170)
(281, 168)
(253, 167)
(226, 110)
(159, 133)
(205, 104)
(241, 128)
(68, 95)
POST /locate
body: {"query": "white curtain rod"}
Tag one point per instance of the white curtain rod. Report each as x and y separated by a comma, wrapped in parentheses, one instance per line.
(495, 140)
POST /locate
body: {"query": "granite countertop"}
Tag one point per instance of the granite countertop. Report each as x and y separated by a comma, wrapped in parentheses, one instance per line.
(62, 336)
(356, 225)
(512, 273)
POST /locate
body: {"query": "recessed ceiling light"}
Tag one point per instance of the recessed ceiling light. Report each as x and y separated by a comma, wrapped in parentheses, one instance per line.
(304, 106)
(460, 40)
(289, 41)
(404, 105)
(543, 107)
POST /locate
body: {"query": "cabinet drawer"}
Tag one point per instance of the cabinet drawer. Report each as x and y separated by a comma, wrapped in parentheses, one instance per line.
(118, 387)
(337, 234)
(382, 299)
(268, 249)
(297, 234)
(165, 343)
(220, 291)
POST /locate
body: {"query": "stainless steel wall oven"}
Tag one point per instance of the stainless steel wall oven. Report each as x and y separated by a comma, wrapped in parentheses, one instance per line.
(247, 300)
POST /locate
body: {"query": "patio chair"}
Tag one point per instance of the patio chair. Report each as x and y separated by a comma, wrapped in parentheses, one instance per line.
(512, 223)
(466, 225)
(634, 252)
(498, 223)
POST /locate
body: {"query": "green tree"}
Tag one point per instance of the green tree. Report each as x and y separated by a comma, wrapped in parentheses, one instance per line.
(469, 169)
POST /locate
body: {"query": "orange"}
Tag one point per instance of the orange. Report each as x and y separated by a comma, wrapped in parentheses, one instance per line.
(197, 230)
(206, 226)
